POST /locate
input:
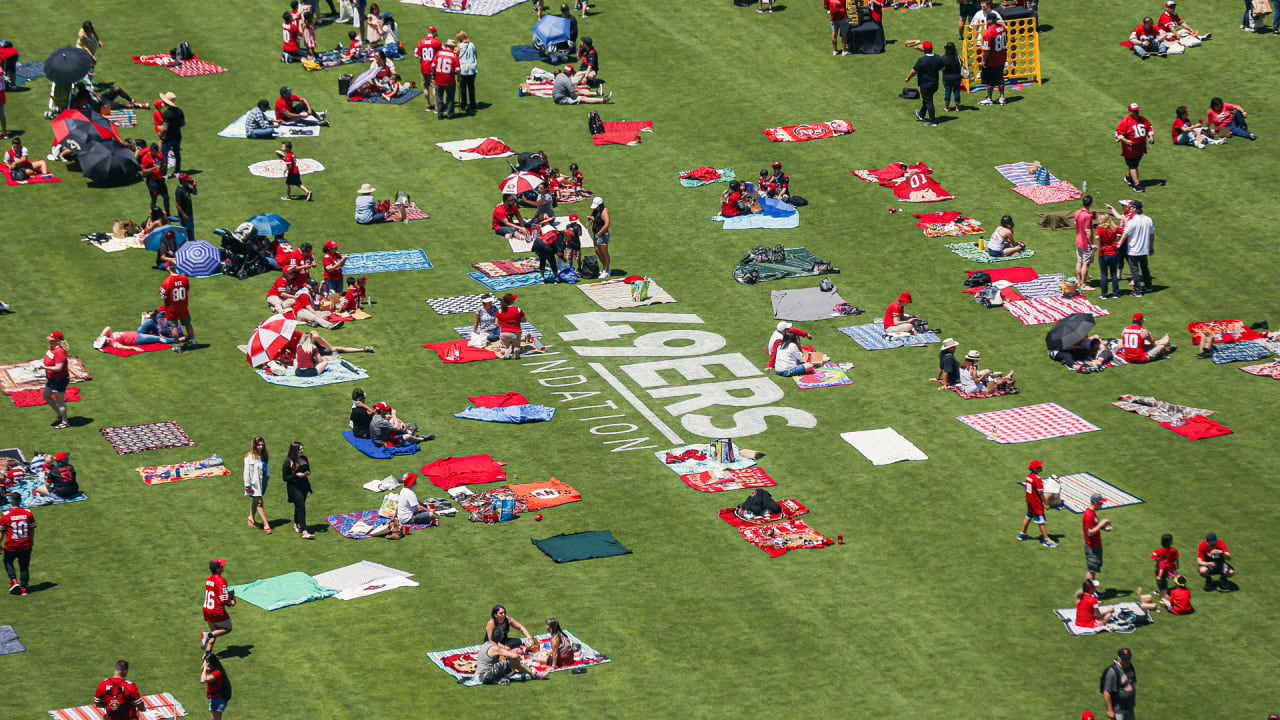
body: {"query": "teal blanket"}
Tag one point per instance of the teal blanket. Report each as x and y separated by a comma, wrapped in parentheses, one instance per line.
(282, 591)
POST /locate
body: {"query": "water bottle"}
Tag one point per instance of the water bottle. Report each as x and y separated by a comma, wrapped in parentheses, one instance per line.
(1084, 187)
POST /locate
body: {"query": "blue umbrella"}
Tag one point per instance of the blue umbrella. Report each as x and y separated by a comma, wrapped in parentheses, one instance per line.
(551, 30)
(269, 224)
(199, 258)
(153, 238)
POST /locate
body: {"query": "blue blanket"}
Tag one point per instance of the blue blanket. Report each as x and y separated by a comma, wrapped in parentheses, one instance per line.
(27, 489)
(525, 53)
(335, 372)
(1246, 350)
(506, 282)
(367, 263)
(400, 99)
(514, 414)
(367, 447)
(759, 220)
(871, 337)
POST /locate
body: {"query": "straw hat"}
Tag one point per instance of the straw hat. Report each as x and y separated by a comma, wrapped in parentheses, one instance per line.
(973, 355)
(169, 99)
(949, 343)
(366, 189)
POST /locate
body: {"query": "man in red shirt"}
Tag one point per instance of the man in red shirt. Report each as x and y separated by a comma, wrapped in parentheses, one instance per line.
(1172, 23)
(896, 319)
(296, 110)
(175, 292)
(426, 51)
(306, 262)
(57, 375)
(118, 697)
(1034, 487)
(1093, 529)
(995, 52)
(838, 14)
(302, 310)
(444, 73)
(507, 219)
(216, 600)
(1211, 558)
(19, 527)
(290, 34)
(151, 167)
(1134, 134)
(1140, 346)
(280, 295)
(333, 264)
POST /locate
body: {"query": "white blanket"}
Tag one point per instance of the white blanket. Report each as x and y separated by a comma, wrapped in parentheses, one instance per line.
(561, 222)
(384, 485)
(884, 446)
(1068, 618)
(357, 575)
(375, 586)
(456, 148)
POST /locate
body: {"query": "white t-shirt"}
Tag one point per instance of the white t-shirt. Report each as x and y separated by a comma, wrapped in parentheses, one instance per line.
(980, 17)
(1139, 230)
(996, 241)
(788, 357)
(408, 505)
(775, 337)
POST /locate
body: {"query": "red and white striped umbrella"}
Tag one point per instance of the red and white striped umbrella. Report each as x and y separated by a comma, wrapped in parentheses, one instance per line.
(519, 183)
(270, 339)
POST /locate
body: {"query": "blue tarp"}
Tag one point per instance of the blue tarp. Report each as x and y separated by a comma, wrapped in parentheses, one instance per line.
(512, 414)
(381, 453)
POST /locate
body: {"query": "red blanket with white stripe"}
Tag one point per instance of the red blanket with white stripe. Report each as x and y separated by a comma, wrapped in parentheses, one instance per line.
(1041, 311)
(808, 131)
(162, 706)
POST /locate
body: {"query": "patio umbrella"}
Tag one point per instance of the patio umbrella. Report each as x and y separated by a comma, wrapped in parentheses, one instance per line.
(270, 339)
(519, 183)
(199, 258)
(551, 30)
(1069, 331)
(67, 65)
(75, 129)
(269, 224)
(153, 238)
(108, 162)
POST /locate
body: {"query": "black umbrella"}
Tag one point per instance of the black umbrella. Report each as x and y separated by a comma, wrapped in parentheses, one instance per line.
(67, 65)
(1069, 331)
(108, 162)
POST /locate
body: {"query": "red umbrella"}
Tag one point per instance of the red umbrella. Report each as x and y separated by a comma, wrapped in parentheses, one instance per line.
(270, 339)
(83, 126)
(519, 183)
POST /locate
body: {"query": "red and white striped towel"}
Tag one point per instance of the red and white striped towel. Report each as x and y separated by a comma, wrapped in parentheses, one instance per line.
(1028, 424)
(1060, 191)
(1039, 311)
(542, 88)
(159, 60)
(161, 706)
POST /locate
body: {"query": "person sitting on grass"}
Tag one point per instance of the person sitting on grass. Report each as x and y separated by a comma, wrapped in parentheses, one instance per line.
(394, 87)
(896, 320)
(15, 158)
(1227, 118)
(732, 202)
(307, 360)
(1001, 243)
(1179, 600)
(168, 250)
(507, 220)
(1088, 613)
(978, 381)
(1148, 38)
(387, 430)
(1196, 134)
(563, 653)
(495, 664)
(409, 511)
(128, 340)
(789, 359)
(367, 207)
(1140, 346)
(1173, 24)
(510, 319)
(296, 110)
(498, 629)
(486, 323)
(361, 415)
(948, 369)
(564, 92)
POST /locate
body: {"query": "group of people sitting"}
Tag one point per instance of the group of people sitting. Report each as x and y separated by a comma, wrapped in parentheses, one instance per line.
(1170, 34)
(502, 656)
(55, 478)
(381, 424)
(502, 322)
(290, 109)
(966, 375)
(1222, 120)
(744, 199)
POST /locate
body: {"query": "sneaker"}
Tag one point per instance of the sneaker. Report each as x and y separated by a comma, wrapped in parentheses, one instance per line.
(13, 587)
(1253, 136)
(846, 52)
(323, 114)
(835, 52)
(604, 275)
(985, 101)
(324, 123)
(1204, 355)
(368, 348)
(1217, 141)
(760, 11)
(1206, 36)
(338, 324)
(23, 592)
(1199, 144)
(285, 197)
(1172, 348)
(504, 682)
(1001, 101)
(1049, 543)
(62, 425)
(931, 124)
(177, 348)
(204, 640)
(1023, 536)
(1138, 188)
(308, 196)
(1128, 181)
(1135, 293)
(608, 97)
(430, 436)
(919, 116)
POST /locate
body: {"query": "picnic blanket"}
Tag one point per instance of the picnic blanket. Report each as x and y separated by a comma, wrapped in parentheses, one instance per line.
(892, 174)
(1223, 331)
(561, 222)
(31, 179)
(130, 352)
(524, 53)
(1028, 424)
(1022, 174)
(29, 374)
(871, 337)
(505, 268)
(515, 414)
(236, 128)
(159, 707)
(346, 523)
(1158, 410)
(367, 446)
(622, 132)
(805, 304)
(699, 457)
(1044, 310)
(499, 285)
(212, 466)
(404, 97)
(35, 398)
(808, 131)
(449, 472)
(778, 538)
(282, 591)
(455, 304)
(335, 372)
(276, 168)
(195, 67)
(526, 328)
(706, 175)
(730, 479)
(1015, 274)
(1271, 369)
(799, 262)
(458, 351)
(884, 446)
(128, 439)
(472, 7)
(1141, 617)
(1045, 286)
(920, 188)
(115, 244)
(1045, 194)
(499, 400)
(526, 496)
(460, 663)
(157, 60)
(367, 263)
(978, 253)
(760, 220)
(615, 294)
(540, 83)
(789, 509)
(363, 579)
(123, 118)
(1076, 488)
(9, 642)
(1198, 427)
(825, 376)
(959, 226)
(581, 546)
(1242, 351)
(30, 70)
(26, 487)
(476, 148)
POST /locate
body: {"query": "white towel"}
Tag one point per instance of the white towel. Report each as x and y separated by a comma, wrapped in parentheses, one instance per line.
(357, 575)
(456, 148)
(884, 446)
(376, 586)
(380, 486)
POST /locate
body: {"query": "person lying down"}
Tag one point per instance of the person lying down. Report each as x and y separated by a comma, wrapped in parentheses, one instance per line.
(132, 340)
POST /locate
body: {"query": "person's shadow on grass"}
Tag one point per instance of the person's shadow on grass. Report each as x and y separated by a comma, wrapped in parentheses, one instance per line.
(42, 586)
(235, 651)
(79, 421)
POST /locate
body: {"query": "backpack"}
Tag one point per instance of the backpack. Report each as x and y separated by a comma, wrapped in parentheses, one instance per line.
(590, 266)
(760, 502)
(182, 53)
(115, 699)
(977, 279)
(594, 124)
(751, 277)
(402, 198)
(796, 201)
(568, 275)
(844, 308)
(18, 174)
(826, 285)
(989, 297)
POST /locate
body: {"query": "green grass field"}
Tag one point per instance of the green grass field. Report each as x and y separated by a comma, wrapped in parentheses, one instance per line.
(929, 608)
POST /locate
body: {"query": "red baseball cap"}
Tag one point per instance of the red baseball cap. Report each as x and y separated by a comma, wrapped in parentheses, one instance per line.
(410, 479)
(926, 45)
(55, 335)
(220, 562)
(431, 29)
(573, 217)
(1137, 317)
(1035, 465)
(515, 296)
(904, 297)
(1134, 106)
(381, 406)
(363, 280)
(568, 68)
(777, 163)
(331, 245)
(1086, 715)
(62, 455)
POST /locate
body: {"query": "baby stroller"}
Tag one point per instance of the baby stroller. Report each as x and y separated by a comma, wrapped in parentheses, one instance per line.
(244, 251)
(551, 38)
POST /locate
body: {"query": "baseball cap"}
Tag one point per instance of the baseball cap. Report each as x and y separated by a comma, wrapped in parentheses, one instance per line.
(381, 406)
(55, 335)
(1035, 465)
(217, 564)
(926, 45)
(1124, 653)
(431, 29)
(777, 163)
(363, 280)
(783, 325)
(515, 296)
(596, 202)
(62, 455)
(410, 479)
(1137, 317)
(949, 343)
(904, 297)
(568, 68)
(1087, 715)
(1096, 582)
(1171, 3)
(170, 266)
(1134, 106)
(1097, 498)
(331, 245)
(1211, 537)
(15, 472)
(573, 217)
(1136, 205)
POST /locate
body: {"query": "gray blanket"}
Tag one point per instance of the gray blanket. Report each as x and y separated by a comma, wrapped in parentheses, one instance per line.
(805, 305)
(9, 643)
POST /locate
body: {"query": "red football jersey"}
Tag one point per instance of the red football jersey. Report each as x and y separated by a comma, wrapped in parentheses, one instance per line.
(351, 300)
(289, 34)
(302, 301)
(995, 46)
(17, 524)
(1034, 486)
(175, 290)
(56, 356)
(1136, 130)
(1166, 561)
(215, 598)
(119, 697)
(331, 257)
(445, 66)
(290, 163)
(280, 285)
(426, 52)
(1134, 349)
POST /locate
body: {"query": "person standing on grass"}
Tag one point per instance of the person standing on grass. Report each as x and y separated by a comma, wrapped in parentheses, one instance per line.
(182, 196)
(1133, 132)
(1139, 242)
(600, 224)
(1109, 256)
(292, 178)
(994, 51)
(334, 261)
(838, 15)
(1093, 529)
(217, 685)
(257, 471)
(297, 480)
(926, 71)
(151, 167)
(1166, 557)
(951, 77)
(216, 600)
(117, 696)
(445, 75)
(1119, 683)
(467, 72)
(19, 528)
(1034, 486)
(426, 51)
(1084, 242)
(175, 292)
(57, 375)
(171, 134)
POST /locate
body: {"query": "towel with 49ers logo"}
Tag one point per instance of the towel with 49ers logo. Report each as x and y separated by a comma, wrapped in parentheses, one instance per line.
(919, 187)
(808, 131)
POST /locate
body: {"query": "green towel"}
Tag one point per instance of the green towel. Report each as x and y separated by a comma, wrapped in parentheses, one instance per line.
(581, 546)
(726, 174)
(799, 264)
(967, 251)
(282, 591)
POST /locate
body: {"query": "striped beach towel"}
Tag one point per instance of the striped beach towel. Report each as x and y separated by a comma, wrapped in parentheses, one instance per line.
(1021, 173)
(615, 294)
(871, 337)
(123, 118)
(1042, 287)
(1041, 311)
(1077, 487)
(160, 706)
(1045, 194)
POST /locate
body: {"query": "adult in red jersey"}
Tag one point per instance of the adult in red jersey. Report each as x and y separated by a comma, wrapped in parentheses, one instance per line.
(216, 600)
(444, 73)
(838, 14)
(19, 528)
(175, 293)
(510, 318)
(995, 52)
(57, 375)
(117, 696)
(282, 292)
(896, 319)
(1088, 614)
(1134, 135)
(1211, 559)
(290, 33)
(426, 51)
(1171, 22)
(151, 167)
(1140, 346)
(304, 310)
(334, 261)
(296, 110)
(1093, 529)
(1147, 38)
(1033, 484)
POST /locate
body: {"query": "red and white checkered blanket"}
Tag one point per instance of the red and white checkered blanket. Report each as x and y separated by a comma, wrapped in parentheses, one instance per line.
(1028, 424)
(163, 705)
(160, 60)
(1040, 311)
(413, 212)
(196, 66)
(1060, 191)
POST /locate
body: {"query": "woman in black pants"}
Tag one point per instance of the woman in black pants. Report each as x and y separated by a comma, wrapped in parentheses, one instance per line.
(297, 479)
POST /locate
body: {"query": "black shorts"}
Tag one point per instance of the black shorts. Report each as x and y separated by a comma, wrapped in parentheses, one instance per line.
(1132, 163)
(1093, 558)
(993, 76)
(1162, 582)
(57, 384)
(293, 179)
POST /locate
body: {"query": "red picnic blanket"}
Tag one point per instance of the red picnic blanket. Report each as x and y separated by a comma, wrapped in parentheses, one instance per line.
(1060, 191)
(31, 179)
(704, 173)
(161, 706)
(808, 131)
(160, 60)
(779, 537)
(194, 67)
(891, 174)
(490, 146)
(791, 509)
(920, 187)
(450, 472)
(936, 218)
(1223, 331)
(499, 401)
(457, 351)
(1199, 427)
(121, 352)
(35, 398)
(1016, 274)
(623, 132)
(751, 477)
